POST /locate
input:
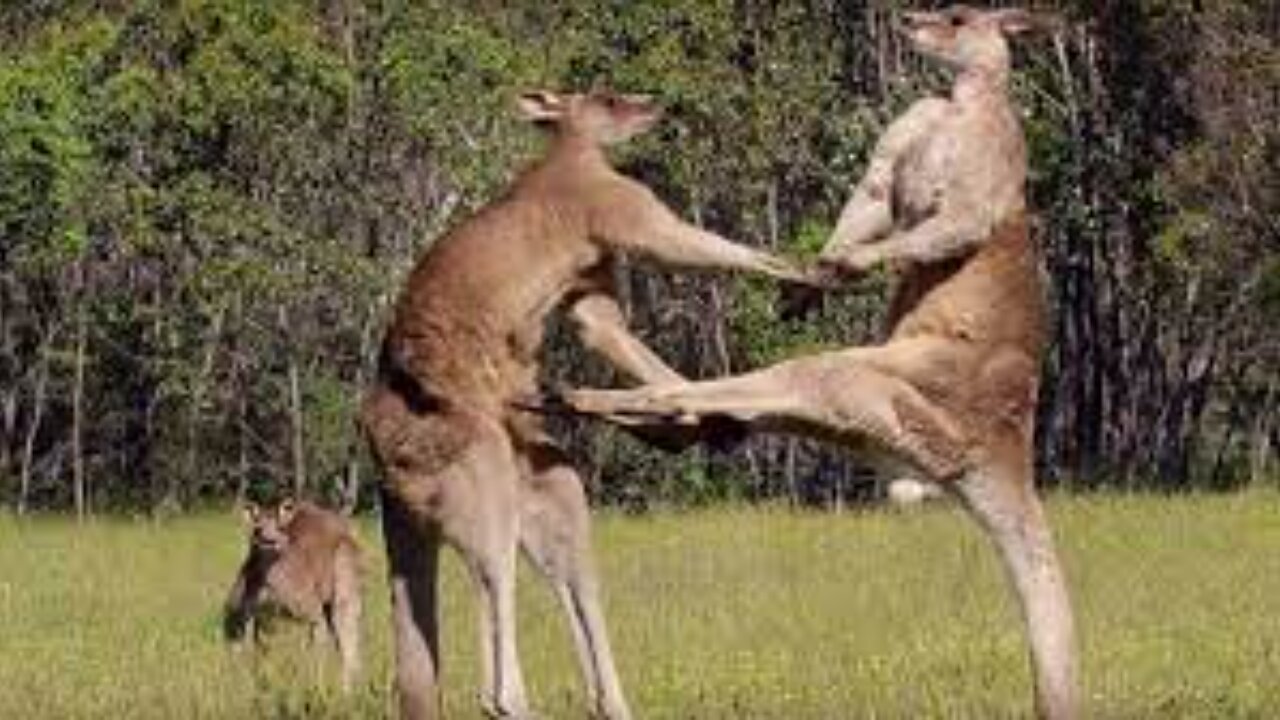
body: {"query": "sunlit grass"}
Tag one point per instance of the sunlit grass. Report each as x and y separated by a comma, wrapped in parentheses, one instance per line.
(743, 613)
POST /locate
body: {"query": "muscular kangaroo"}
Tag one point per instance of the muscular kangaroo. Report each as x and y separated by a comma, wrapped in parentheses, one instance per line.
(459, 467)
(952, 393)
(303, 563)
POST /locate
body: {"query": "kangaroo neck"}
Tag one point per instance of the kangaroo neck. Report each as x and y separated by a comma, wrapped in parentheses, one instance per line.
(981, 85)
(571, 145)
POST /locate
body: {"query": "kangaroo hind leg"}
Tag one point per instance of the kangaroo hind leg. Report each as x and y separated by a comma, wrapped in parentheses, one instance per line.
(555, 534)
(1005, 504)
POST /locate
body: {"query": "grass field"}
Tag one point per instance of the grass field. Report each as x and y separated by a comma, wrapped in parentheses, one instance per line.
(742, 613)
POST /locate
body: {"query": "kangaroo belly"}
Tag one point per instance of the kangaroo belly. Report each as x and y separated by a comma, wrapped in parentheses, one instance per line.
(986, 314)
(992, 298)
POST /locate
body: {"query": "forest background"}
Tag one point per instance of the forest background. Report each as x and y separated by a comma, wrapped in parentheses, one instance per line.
(206, 207)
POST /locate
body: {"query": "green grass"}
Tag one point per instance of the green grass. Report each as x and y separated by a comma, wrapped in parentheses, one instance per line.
(742, 613)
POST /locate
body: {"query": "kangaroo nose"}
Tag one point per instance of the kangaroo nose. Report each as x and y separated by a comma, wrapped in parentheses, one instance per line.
(909, 20)
(646, 102)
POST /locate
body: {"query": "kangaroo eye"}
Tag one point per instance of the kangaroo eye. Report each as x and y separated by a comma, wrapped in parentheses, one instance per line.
(956, 21)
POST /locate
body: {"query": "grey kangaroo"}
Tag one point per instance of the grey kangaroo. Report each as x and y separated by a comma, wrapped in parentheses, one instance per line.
(952, 394)
(460, 466)
(303, 563)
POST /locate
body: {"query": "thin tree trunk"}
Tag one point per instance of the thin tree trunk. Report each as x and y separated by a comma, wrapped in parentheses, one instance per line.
(155, 474)
(1260, 449)
(793, 483)
(8, 431)
(295, 411)
(33, 429)
(239, 380)
(8, 376)
(790, 468)
(79, 488)
(199, 390)
(351, 486)
(1260, 454)
(298, 433)
(242, 459)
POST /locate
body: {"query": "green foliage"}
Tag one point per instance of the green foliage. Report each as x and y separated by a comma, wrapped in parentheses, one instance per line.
(1269, 292)
(46, 157)
(760, 336)
(810, 238)
(1176, 244)
(330, 412)
(243, 185)
(453, 76)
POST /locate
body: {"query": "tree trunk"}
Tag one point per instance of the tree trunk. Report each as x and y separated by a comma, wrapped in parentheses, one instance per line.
(33, 429)
(295, 412)
(156, 472)
(199, 391)
(297, 429)
(351, 485)
(8, 431)
(791, 445)
(1260, 431)
(239, 379)
(9, 375)
(242, 454)
(793, 477)
(79, 489)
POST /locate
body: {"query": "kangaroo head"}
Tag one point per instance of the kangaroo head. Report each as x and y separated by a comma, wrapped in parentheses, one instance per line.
(965, 37)
(267, 526)
(603, 117)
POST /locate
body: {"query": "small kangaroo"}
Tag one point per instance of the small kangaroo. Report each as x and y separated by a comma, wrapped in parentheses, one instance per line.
(304, 564)
(952, 394)
(460, 466)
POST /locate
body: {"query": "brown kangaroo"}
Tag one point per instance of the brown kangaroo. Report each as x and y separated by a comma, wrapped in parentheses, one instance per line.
(303, 563)
(952, 393)
(458, 466)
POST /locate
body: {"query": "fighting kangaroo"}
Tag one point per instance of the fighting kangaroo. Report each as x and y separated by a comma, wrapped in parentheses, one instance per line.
(459, 467)
(952, 393)
(303, 563)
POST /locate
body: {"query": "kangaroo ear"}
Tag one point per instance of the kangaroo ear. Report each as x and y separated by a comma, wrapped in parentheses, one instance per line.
(541, 106)
(249, 512)
(286, 510)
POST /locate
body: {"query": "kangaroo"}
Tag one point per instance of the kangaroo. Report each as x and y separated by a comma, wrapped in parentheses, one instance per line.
(951, 395)
(459, 466)
(303, 563)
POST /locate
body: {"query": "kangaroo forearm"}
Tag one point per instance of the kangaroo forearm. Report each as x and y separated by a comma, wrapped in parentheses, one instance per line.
(689, 246)
(636, 360)
(235, 619)
(602, 328)
(628, 217)
(936, 239)
(865, 219)
(235, 610)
